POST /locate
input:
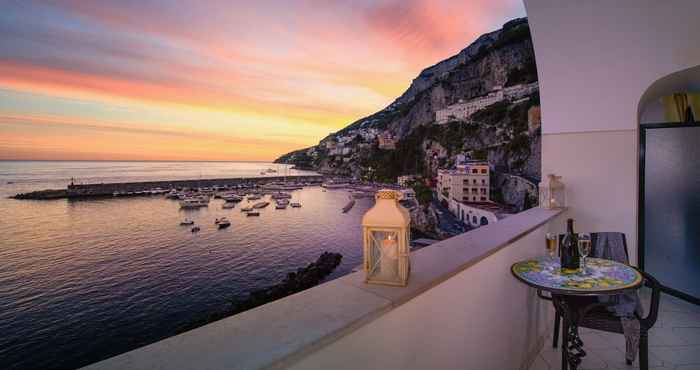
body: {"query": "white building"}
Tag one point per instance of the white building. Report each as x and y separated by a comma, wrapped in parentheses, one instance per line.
(403, 181)
(479, 213)
(468, 183)
(464, 109)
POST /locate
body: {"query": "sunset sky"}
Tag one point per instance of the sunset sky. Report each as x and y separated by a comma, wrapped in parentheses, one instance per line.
(213, 80)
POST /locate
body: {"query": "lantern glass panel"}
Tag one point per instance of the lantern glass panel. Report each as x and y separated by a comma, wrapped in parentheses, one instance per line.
(384, 252)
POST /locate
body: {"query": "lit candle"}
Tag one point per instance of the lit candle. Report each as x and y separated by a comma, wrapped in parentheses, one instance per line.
(390, 255)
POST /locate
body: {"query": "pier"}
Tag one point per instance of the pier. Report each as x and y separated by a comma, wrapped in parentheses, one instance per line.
(77, 191)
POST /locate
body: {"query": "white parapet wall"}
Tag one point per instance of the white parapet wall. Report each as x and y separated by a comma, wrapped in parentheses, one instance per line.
(462, 309)
(481, 318)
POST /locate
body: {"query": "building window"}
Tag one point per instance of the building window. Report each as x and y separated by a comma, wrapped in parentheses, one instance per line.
(474, 219)
(484, 171)
(474, 182)
(475, 171)
(483, 181)
(483, 191)
(484, 221)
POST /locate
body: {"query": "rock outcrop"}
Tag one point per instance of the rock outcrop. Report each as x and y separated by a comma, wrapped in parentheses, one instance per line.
(498, 132)
(304, 278)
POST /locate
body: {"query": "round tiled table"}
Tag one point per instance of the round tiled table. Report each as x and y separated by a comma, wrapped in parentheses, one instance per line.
(602, 277)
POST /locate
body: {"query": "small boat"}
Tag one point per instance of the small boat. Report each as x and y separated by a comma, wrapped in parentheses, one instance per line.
(246, 209)
(253, 214)
(254, 197)
(295, 204)
(186, 222)
(223, 223)
(281, 206)
(281, 195)
(349, 206)
(195, 202)
(228, 205)
(195, 229)
(335, 185)
(232, 198)
(260, 205)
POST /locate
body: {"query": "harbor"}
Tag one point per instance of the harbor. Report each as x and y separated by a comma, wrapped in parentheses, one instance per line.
(147, 188)
(167, 265)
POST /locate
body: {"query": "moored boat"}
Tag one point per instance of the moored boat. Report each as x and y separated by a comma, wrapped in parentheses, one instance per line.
(186, 222)
(246, 209)
(253, 214)
(295, 204)
(223, 222)
(228, 205)
(194, 202)
(260, 205)
(349, 206)
(334, 185)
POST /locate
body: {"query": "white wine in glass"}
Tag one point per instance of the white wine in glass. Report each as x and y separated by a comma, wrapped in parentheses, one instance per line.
(584, 249)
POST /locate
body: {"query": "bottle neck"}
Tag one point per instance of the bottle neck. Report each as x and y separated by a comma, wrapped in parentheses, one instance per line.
(570, 227)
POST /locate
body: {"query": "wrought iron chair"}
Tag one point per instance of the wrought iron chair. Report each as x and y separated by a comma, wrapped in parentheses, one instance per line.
(599, 318)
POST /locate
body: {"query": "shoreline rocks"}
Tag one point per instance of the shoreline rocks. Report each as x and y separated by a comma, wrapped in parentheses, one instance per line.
(302, 279)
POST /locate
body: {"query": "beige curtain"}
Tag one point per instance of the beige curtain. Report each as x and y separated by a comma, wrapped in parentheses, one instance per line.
(694, 102)
(676, 106)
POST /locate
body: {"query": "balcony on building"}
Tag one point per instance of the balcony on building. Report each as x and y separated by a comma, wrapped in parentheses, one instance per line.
(598, 64)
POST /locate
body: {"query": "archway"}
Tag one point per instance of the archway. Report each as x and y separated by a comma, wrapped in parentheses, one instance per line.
(484, 221)
(669, 203)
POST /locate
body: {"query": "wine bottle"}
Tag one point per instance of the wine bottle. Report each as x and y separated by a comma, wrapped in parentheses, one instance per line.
(569, 249)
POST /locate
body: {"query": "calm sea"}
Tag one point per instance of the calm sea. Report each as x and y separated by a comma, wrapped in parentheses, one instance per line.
(84, 280)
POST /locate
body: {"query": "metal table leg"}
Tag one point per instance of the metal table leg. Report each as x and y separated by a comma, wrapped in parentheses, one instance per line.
(572, 345)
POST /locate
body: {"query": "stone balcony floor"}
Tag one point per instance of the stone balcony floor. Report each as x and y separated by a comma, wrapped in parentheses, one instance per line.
(674, 343)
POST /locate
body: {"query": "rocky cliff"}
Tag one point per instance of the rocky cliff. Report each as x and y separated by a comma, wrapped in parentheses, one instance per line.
(497, 61)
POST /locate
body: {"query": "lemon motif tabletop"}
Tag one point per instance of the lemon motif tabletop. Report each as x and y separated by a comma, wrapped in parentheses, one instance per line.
(601, 277)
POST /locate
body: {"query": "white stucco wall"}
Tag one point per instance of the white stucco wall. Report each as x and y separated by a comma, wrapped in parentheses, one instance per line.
(595, 60)
(482, 318)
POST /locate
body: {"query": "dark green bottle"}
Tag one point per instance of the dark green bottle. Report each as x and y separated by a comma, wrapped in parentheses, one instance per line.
(569, 248)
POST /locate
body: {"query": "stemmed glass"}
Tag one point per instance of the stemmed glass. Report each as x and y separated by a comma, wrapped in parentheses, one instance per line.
(584, 249)
(551, 246)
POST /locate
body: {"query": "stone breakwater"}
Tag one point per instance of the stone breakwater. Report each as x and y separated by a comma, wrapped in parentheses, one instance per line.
(144, 188)
(304, 278)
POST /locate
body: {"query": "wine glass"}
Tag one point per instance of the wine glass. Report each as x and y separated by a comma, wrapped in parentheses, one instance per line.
(551, 244)
(551, 239)
(584, 249)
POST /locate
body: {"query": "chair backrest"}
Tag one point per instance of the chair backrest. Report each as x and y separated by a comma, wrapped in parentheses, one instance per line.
(610, 245)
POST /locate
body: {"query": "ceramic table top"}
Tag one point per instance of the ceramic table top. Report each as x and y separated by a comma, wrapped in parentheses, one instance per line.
(601, 277)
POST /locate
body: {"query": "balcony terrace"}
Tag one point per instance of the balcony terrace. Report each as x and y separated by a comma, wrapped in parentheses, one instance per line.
(462, 308)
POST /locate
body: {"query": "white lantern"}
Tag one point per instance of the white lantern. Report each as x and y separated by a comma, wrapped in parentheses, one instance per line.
(552, 192)
(386, 234)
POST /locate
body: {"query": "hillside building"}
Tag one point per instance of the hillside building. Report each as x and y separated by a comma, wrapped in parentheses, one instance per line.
(464, 109)
(387, 141)
(469, 182)
(404, 181)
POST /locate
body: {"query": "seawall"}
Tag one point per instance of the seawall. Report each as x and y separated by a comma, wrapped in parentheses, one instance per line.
(108, 189)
